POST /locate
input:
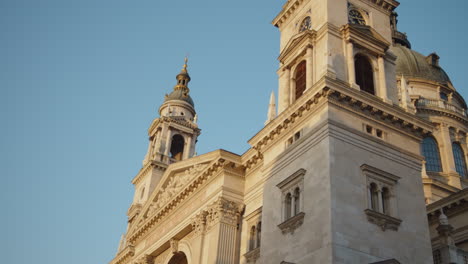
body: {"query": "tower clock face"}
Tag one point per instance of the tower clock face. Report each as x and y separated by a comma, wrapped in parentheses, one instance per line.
(355, 17)
(306, 24)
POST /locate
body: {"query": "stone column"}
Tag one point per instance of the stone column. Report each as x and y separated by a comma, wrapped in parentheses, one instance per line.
(446, 153)
(380, 200)
(198, 229)
(222, 222)
(168, 144)
(309, 68)
(445, 145)
(284, 89)
(188, 148)
(383, 82)
(350, 63)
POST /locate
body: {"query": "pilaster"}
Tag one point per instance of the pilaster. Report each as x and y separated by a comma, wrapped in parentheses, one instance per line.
(222, 222)
(284, 89)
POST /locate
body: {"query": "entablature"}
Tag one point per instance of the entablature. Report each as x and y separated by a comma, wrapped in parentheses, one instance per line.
(288, 9)
(387, 6)
(333, 90)
(365, 37)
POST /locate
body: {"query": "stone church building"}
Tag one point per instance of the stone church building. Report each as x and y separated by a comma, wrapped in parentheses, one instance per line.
(362, 158)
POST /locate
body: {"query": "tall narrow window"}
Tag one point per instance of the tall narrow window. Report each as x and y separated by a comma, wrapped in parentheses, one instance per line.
(252, 238)
(364, 74)
(300, 79)
(374, 195)
(287, 207)
(430, 151)
(460, 161)
(259, 233)
(297, 195)
(386, 201)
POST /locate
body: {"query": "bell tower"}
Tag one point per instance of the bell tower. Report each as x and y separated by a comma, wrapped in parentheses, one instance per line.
(173, 135)
(325, 38)
(172, 138)
(341, 159)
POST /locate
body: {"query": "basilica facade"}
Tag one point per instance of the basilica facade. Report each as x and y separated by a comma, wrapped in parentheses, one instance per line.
(362, 158)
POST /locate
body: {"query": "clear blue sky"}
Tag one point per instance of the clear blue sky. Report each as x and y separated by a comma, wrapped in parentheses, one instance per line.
(82, 80)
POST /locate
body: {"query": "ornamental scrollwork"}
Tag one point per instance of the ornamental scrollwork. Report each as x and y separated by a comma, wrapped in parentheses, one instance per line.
(224, 211)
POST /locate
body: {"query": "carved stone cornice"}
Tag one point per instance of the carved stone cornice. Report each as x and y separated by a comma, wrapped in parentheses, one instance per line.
(223, 211)
(302, 40)
(133, 211)
(382, 220)
(365, 37)
(291, 224)
(148, 166)
(337, 92)
(252, 255)
(442, 112)
(175, 190)
(385, 5)
(288, 9)
(124, 256)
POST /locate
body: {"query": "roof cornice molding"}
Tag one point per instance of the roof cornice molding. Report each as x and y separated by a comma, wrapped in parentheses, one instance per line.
(288, 9)
(338, 91)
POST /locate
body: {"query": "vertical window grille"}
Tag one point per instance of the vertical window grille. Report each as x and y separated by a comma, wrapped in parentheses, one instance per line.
(430, 151)
(459, 157)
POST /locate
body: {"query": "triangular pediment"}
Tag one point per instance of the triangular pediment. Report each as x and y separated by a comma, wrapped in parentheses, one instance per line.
(179, 181)
(366, 37)
(303, 39)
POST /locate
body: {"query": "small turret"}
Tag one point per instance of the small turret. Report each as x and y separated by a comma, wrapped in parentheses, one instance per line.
(271, 109)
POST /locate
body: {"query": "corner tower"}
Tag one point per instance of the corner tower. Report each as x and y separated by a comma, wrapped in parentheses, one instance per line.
(341, 161)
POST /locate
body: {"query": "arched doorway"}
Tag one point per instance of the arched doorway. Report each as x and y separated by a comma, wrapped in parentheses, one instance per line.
(177, 147)
(178, 258)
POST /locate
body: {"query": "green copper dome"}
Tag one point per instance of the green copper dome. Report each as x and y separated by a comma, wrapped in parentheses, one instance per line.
(413, 64)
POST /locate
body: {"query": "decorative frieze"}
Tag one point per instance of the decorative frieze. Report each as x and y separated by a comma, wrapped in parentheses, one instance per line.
(175, 185)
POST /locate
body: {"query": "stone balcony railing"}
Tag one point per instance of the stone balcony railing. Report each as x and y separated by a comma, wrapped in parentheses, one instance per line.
(440, 105)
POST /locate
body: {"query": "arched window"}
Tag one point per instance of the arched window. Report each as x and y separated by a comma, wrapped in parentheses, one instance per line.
(374, 195)
(177, 147)
(430, 151)
(259, 233)
(287, 207)
(386, 201)
(459, 157)
(300, 78)
(364, 74)
(178, 258)
(252, 238)
(297, 195)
